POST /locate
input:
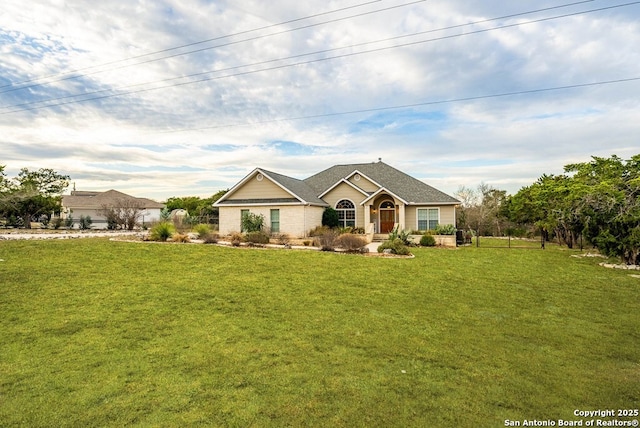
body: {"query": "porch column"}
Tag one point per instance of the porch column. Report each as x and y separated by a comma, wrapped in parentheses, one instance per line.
(367, 216)
(401, 217)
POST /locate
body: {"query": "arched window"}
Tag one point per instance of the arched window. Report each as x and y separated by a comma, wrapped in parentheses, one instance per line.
(346, 213)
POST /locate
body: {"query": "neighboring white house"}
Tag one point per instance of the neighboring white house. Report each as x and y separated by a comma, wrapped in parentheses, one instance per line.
(373, 196)
(85, 203)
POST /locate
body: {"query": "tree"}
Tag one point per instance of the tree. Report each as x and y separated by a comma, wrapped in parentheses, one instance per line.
(123, 212)
(598, 200)
(201, 208)
(481, 209)
(32, 194)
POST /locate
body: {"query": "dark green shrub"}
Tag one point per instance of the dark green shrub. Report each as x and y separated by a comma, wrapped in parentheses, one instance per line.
(351, 243)
(428, 241)
(68, 222)
(162, 231)
(330, 218)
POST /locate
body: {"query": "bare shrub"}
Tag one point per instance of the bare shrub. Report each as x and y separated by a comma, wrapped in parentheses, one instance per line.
(281, 238)
(236, 238)
(180, 237)
(257, 237)
(210, 238)
(327, 241)
(351, 243)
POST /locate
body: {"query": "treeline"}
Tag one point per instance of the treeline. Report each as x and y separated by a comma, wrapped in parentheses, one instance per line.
(597, 201)
(30, 196)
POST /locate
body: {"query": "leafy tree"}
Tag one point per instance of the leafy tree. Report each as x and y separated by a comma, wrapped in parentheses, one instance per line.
(32, 194)
(196, 207)
(597, 199)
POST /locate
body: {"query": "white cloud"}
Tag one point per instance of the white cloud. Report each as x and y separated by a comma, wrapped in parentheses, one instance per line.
(122, 142)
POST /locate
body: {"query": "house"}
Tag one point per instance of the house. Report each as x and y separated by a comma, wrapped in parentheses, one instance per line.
(85, 203)
(373, 196)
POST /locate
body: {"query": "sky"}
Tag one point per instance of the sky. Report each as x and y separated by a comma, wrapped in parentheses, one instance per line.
(169, 98)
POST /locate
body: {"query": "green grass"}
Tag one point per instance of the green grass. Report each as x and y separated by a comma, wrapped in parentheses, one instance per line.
(101, 333)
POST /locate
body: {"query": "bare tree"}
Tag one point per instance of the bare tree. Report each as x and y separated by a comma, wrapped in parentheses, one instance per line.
(123, 213)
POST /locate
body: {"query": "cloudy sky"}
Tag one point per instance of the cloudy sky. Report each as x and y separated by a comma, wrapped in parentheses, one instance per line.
(174, 98)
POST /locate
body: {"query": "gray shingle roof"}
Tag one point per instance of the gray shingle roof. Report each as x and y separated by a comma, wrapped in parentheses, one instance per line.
(403, 185)
(95, 200)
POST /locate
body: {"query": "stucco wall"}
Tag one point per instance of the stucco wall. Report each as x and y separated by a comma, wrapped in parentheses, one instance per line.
(295, 221)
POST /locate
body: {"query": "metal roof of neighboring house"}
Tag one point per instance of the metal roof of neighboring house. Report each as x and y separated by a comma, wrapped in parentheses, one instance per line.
(395, 181)
(95, 200)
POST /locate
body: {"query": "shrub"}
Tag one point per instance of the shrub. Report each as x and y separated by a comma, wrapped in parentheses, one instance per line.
(351, 243)
(252, 222)
(327, 241)
(306, 243)
(210, 238)
(236, 238)
(445, 229)
(202, 230)
(180, 237)
(428, 240)
(281, 238)
(85, 222)
(330, 218)
(162, 231)
(68, 222)
(319, 230)
(396, 246)
(57, 223)
(257, 237)
(403, 235)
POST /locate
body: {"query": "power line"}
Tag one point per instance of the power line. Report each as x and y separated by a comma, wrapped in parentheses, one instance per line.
(298, 63)
(406, 106)
(261, 37)
(197, 43)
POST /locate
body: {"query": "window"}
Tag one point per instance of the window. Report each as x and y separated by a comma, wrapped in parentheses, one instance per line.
(275, 221)
(243, 213)
(428, 218)
(346, 213)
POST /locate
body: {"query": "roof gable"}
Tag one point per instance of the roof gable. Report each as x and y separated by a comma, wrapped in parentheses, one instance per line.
(394, 181)
(292, 190)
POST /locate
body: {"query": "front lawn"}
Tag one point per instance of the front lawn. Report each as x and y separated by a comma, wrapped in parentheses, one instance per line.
(101, 333)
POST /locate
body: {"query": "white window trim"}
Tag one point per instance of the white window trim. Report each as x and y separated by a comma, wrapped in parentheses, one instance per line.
(426, 208)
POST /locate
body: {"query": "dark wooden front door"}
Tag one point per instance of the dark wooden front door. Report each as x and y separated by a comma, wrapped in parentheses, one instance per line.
(387, 220)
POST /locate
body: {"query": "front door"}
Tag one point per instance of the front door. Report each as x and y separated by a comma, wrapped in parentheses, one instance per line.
(387, 220)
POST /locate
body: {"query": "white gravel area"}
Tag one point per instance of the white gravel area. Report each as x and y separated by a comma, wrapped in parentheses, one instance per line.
(63, 234)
